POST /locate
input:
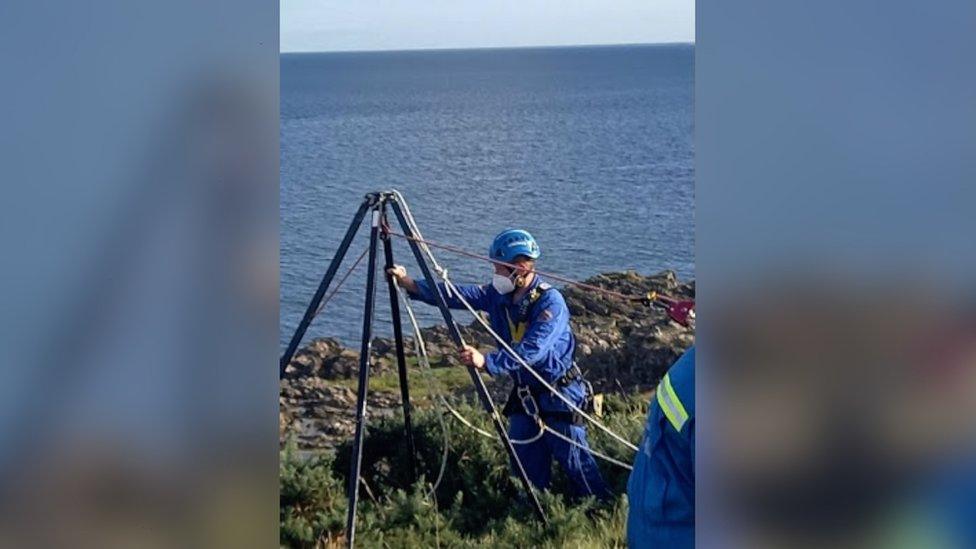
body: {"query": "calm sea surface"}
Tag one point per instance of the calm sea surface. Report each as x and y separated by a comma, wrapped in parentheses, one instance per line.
(589, 148)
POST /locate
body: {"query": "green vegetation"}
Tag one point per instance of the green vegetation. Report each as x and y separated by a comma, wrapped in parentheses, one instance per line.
(441, 380)
(475, 504)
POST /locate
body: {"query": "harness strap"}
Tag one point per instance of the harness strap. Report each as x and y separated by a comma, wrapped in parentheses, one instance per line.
(518, 329)
(524, 400)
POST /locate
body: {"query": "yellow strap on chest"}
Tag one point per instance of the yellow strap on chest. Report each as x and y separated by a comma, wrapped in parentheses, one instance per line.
(518, 330)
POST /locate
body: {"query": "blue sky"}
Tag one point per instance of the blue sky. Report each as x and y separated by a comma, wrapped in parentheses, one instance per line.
(322, 25)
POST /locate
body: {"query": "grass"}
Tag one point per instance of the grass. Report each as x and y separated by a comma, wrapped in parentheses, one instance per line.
(423, 384)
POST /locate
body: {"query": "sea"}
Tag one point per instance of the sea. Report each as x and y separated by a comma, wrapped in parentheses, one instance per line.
(590, 149)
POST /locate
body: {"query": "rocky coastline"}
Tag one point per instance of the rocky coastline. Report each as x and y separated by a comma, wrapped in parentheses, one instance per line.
(621, 347)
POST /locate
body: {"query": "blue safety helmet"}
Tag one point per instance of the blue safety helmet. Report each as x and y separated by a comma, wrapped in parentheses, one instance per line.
(512, 243)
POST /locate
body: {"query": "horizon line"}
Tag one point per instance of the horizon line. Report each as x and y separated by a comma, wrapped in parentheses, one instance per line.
(525, 47)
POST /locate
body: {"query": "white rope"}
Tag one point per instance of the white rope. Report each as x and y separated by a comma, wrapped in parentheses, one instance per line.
(470, 425)
(545, 428)
(421, 351)
(422, 356)
(451, 288)
(442, 272)
(484, 433)
(535, 374)
(539, 435)
(591, 450)
(425, 359)
(416, 231)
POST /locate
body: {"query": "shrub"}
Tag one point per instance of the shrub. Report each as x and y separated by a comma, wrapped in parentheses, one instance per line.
(312, 501)
(477, 502)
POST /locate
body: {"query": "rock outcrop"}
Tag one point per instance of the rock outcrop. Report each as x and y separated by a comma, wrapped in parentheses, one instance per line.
(621, 346)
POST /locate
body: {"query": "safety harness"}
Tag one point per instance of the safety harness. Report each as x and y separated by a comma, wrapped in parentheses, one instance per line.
(518, 329)
(524, 398)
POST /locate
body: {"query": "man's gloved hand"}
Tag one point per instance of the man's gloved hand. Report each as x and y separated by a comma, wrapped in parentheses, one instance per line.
(399, 272)
(472, 357)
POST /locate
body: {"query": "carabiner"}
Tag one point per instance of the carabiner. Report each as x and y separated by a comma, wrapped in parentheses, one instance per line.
(528, 401)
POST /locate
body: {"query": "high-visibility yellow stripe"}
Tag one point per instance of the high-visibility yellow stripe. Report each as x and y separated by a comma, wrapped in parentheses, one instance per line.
(670, 404)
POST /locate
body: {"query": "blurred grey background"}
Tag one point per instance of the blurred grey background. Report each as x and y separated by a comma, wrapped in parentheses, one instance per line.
(139, 313)
(834, 252)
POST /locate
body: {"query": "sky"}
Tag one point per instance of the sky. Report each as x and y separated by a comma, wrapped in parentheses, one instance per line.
(360, 25)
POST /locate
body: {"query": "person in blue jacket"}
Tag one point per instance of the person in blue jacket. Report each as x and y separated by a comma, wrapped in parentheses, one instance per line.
(661, 488)
(533, 318)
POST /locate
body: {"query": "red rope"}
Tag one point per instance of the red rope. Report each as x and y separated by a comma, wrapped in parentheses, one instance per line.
(679, 308)
(341, 281)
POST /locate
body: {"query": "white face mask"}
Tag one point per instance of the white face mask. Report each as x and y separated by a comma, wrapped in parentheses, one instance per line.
(502, 284)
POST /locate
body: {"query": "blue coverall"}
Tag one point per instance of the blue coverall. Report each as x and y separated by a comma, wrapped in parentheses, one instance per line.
(661, 489)
(543, 338)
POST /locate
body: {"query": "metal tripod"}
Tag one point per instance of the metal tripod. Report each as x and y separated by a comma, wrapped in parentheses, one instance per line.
(377, 205)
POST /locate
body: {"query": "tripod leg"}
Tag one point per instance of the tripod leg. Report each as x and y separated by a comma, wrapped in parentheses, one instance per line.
(401, 358)
(479, 384)
(357, 449)
(323, 286)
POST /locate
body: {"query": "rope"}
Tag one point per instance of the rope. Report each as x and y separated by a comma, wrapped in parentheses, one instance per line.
(425, 359)
(421, 350)
(416, 230)
(535, 374)
(591, 450)
(467, 423)
(545, 428)
(460, 251)
(537, 436)
(451, 288)
(341, 281)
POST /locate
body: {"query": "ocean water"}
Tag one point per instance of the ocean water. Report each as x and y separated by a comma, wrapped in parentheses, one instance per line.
(589, 148)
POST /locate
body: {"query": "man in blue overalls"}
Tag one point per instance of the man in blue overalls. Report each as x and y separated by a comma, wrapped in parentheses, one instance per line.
(534, 319)
(661, 489)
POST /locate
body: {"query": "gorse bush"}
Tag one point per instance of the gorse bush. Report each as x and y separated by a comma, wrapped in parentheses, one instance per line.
(312, 505)
(477, 502)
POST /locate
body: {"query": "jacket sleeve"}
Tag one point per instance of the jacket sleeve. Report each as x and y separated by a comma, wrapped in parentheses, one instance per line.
(476, 295)
(549, 321)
